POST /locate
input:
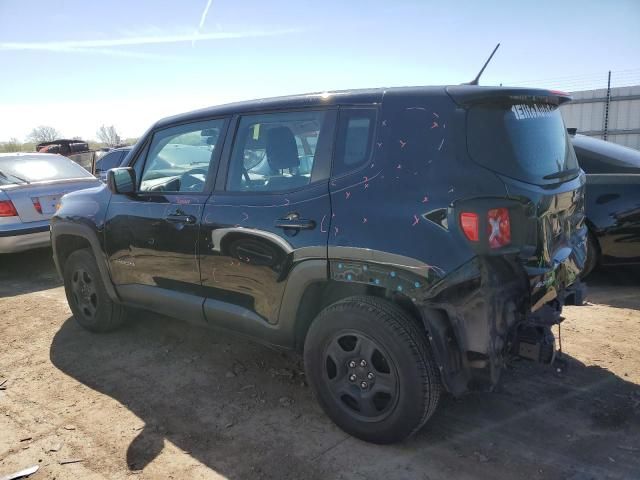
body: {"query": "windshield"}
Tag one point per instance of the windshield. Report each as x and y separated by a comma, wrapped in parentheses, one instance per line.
(525, 141)
(38, 168)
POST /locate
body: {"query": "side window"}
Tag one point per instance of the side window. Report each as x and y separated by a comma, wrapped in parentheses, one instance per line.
(355, 139)
(179, 158)
(110, 160)
(276, 151)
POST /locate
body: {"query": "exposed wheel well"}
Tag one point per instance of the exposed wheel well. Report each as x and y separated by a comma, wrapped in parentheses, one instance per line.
(66, 245)
(320, 295)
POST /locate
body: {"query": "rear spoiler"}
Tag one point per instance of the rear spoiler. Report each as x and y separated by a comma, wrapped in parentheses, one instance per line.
(471, 94)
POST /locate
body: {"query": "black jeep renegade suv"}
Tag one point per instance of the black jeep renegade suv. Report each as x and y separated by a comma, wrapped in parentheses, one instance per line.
(407, 240)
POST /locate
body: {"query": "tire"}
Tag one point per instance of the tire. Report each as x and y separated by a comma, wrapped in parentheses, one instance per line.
(90, 304)
(402, 384)
(593, 254)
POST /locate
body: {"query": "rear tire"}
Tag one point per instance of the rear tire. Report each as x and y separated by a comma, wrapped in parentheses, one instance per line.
(371, 369)
(88, 299)
(593, 254)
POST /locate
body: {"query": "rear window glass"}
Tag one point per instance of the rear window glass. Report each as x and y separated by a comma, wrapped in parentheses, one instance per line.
(26, 169)
(528, 142)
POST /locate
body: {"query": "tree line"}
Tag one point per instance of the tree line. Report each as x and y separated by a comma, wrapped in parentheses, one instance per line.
(107, 136)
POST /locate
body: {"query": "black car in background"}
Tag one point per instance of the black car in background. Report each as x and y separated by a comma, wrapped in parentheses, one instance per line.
(612, 201)
(110, 160)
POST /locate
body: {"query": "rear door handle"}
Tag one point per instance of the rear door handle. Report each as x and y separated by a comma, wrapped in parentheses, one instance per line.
(294, 221)
(177, 218)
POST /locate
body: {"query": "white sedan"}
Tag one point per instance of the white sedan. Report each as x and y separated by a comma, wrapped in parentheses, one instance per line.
(31, 185)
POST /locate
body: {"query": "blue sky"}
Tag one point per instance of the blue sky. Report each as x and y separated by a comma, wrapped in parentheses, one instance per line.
(77, 64)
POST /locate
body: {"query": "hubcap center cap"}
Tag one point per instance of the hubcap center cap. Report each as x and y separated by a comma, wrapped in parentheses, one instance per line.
(360, 373)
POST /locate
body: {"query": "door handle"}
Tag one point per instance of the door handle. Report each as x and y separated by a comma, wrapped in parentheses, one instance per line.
(294, 221)
(177, 218)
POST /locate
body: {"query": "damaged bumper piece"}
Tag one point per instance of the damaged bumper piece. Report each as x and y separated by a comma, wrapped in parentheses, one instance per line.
(483, 314)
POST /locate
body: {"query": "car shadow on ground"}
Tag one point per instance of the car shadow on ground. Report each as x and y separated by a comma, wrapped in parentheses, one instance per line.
(244, 411)
(27, 272)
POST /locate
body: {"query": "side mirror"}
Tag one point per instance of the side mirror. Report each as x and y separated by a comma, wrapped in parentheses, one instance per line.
(122, 180)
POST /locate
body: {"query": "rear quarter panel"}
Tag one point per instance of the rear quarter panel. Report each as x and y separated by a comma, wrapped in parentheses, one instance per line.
(613, 214)
(419, 166)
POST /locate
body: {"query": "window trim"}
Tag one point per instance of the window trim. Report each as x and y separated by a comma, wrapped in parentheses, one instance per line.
(141, 158)
(323, 173)
(372, 151)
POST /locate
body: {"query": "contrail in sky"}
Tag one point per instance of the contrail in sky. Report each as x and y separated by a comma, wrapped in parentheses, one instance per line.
(149, 40)
(202, 19)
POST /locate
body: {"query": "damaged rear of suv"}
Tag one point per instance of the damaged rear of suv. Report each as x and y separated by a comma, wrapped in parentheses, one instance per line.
(407, 240)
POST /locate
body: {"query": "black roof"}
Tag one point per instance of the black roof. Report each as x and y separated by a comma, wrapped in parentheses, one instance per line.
(460, 93)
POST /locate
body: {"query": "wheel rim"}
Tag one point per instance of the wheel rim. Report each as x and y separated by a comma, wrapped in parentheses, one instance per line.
(361, 376)
(83, 289)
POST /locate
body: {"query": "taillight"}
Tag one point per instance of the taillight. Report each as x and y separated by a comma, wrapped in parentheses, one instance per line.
(470, 225)
(36, 205)
(7, 209)
(499, 227)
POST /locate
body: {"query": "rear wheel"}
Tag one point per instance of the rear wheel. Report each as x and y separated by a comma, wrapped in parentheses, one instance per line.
(593, 252)
(371, 369)
(88, 299)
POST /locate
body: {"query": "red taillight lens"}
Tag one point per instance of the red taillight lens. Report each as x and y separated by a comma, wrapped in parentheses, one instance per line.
(499, 227)
(7, 209)
(470, 225)
(36, 205)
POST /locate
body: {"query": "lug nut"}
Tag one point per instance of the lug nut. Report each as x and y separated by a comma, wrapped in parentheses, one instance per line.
(370, 375)
(363, 385)
(363, 363)
(352, 377)
(352, 364)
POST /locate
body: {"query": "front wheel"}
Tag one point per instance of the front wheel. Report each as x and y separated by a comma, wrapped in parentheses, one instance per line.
(88, 299)
(371, 369)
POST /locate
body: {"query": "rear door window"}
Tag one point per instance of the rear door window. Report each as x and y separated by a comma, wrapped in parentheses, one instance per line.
(354, 141)
(526, 141)
(278, 151)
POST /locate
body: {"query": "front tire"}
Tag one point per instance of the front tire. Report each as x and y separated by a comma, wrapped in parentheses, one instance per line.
(88, 299)
(371, 369)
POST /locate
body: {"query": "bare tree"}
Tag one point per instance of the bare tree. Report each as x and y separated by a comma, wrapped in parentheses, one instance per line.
(43, 133)
(13, 145)
(108, 135)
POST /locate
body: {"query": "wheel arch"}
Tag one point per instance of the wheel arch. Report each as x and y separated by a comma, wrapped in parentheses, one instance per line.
(309, 290)
(67, 238)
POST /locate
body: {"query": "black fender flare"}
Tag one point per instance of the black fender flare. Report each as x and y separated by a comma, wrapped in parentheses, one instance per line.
(83, 231)
(300, 278)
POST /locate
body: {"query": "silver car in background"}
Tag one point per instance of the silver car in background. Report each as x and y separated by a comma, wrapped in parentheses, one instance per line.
(31, 185)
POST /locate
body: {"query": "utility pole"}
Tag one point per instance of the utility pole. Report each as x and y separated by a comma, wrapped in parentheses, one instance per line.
(606, 108)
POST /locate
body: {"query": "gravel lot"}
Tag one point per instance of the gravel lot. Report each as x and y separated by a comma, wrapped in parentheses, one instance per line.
(163, 399)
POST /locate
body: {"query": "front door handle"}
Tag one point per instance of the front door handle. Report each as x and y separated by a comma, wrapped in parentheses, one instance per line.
(178, 218)
(294, 221)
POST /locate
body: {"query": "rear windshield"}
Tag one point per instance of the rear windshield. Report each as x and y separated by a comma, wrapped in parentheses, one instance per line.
(528, 142)
(36, 168)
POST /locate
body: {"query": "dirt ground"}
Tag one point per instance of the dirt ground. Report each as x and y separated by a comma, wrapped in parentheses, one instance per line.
(163, 399)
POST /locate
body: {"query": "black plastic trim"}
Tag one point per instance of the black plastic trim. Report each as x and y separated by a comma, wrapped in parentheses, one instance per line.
(85, 232)
(23, 231)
